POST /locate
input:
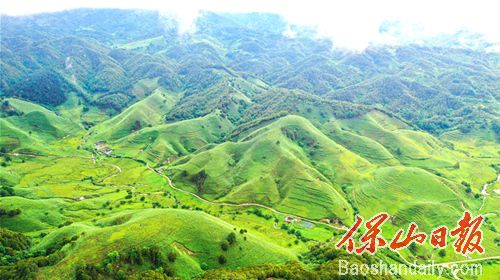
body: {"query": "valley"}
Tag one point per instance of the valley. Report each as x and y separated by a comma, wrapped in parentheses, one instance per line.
(129, 151)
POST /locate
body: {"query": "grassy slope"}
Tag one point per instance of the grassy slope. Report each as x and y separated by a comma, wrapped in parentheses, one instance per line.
(148, 111)
(166, 142)
(408, 193)
(64, 177)
(289, 164)
(409, 145)
(196, 242)
(387, 141)
(35, 214)
(362, 145)
(34, 129)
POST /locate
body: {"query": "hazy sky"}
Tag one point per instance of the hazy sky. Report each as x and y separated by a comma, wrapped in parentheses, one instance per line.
(352, 24)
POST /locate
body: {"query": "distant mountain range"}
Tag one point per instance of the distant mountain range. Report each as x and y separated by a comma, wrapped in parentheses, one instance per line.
(252, 125)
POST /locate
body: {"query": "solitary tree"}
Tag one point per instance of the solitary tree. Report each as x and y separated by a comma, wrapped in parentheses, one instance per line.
(442, 253)
(231, 238)
(172, 256)
(224, 245)
(222, 259)
(137, 125)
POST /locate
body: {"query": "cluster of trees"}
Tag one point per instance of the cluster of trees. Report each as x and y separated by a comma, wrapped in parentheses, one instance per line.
(121, 264)
(321, 260)
(301, 137)
(16, 259)
(8, 110)
(295, 232)
(255, 123)
(12, 242)
(9, 213)
(198, 180)
(281, 102)
(44, 86)
(230, 240)
(116, 101)
(259, 213)
(26, 269)
(6, 190)
(216, 97)
(467, 186)
(59, 243)
(225, 245)
(6, 157)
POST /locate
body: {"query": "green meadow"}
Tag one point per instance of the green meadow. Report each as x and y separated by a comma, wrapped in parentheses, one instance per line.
(128, 151)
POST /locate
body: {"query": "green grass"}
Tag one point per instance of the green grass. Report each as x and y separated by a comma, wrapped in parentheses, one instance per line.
(479, 143)
(36, 214)
(362, 145)
(196, 242)
(166, 142)
(34, 128)
(410, 194)
(409, 146)
(145, 86)
(371, 163)
(147, 112)
(269, 167)
(63, 177)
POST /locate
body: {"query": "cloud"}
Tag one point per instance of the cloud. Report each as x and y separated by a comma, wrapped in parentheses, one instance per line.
(353, 24)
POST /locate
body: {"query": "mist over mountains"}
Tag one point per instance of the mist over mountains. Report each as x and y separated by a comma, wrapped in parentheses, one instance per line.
(240, 148)
(435, 86)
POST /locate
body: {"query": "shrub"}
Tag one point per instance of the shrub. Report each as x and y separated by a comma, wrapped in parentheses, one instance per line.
(231, 238)
(172, 257)
(224, 245)
(222, 259)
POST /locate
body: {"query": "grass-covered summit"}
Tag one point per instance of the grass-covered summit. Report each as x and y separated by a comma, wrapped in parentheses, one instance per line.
(130, 150)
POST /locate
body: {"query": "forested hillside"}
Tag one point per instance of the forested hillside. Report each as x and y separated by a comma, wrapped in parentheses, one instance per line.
(132, 150)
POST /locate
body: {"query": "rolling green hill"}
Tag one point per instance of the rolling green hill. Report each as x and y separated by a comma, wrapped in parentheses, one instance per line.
(32, 126)
(166, 142)
(197, 245)
(147, 112)
(301, 166)
(132, 151)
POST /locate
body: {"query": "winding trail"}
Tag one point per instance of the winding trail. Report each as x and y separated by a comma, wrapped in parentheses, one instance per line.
(343, 228)
(49, 156)
(247, 204)
(112, 175)
(484, 191)
(244, 204)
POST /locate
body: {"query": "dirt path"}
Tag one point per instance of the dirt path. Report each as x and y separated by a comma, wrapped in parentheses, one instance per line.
(463, 205)
(484, 191)
(244, 204)
(181, 247)
(342, 228)
(38, 155)
(113, 175)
